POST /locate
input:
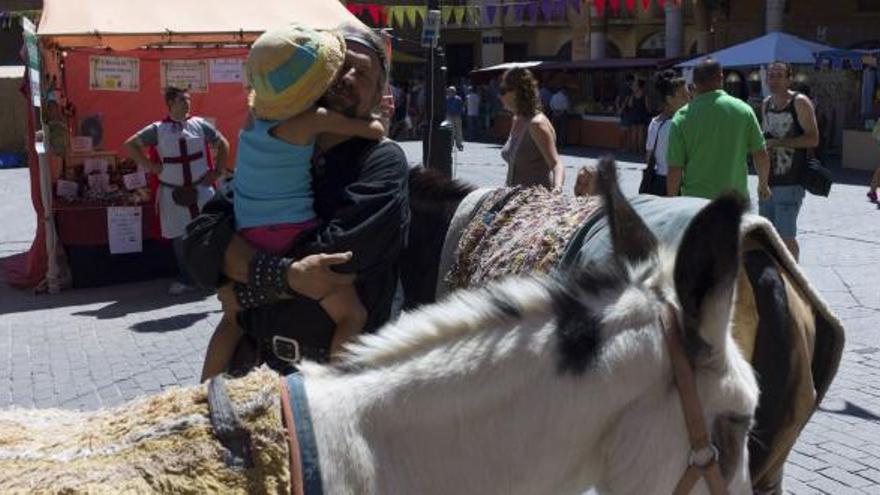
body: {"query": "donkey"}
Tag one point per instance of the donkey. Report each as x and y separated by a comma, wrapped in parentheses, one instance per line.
(548, 385)
(542, 384)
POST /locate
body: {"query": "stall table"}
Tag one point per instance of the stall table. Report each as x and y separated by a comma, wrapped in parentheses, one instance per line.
(83, 231)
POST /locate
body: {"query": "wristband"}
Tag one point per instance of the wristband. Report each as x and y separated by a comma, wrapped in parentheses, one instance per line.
(268, 274)
(248, 298)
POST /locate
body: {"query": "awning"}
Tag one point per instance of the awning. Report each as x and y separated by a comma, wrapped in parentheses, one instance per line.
(772, 47)
(127, 24)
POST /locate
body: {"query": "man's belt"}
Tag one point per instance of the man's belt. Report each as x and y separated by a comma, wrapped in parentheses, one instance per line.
(283, 353)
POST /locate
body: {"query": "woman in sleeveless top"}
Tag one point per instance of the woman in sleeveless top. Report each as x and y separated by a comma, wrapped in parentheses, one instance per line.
(530, 150)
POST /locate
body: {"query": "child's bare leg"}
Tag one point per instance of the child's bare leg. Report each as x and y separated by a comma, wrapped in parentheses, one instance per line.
(221, 347)
(585, 185)
(346, 310)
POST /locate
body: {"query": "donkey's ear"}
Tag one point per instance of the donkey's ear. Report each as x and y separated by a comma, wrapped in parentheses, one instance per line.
(705, 272)
(631, 238)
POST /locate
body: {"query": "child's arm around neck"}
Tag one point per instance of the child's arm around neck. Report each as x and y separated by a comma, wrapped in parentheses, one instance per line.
(302, 129)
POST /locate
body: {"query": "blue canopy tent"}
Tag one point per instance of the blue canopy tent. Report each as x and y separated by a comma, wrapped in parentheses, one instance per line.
(772, 47)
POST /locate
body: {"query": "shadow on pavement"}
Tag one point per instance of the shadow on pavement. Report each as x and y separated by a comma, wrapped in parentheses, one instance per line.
(128, 305)
(850, 409)
(170, 324)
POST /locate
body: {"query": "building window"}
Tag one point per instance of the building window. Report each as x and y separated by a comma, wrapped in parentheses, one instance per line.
(869, 5)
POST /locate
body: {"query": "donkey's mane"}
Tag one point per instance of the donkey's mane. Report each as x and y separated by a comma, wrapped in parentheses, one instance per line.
(515, 300)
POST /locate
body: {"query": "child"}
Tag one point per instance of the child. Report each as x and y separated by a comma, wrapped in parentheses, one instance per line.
(289, 69)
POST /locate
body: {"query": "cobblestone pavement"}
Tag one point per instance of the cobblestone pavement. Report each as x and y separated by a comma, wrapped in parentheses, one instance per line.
(91, 348)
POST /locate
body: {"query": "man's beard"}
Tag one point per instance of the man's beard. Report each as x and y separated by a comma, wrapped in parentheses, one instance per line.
(342, 99)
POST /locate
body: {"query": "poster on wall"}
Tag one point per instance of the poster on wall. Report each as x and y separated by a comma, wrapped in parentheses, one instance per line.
(191, 75)
(114, 74)
(227, 70)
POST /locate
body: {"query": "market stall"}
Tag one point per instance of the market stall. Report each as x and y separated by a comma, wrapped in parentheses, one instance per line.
(592, 86)
(103, 65)
(860, 149)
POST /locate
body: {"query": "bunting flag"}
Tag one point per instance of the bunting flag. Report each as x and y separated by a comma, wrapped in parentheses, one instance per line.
(446, 13)
(533, 11)
(377, 14)
(490, 11)
(615, 5)
(600, 6)
(547, 9)
(646, 4)
(630, 5)
(460, 15)
(519, 12)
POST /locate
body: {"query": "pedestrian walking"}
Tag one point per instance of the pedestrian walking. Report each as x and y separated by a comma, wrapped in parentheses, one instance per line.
(474, 119)
(559, 107)
(530, 150)
(790, 129)
(875, 178)
(674, 94)
(454, 110)
(710, 140)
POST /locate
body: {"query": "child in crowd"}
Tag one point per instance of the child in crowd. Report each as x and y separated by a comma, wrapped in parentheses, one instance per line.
(289, 70)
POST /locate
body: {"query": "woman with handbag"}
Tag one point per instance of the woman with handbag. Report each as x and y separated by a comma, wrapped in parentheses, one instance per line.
(674, 94)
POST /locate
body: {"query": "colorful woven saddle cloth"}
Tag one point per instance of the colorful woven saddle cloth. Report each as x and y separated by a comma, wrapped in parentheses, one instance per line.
(517, 231)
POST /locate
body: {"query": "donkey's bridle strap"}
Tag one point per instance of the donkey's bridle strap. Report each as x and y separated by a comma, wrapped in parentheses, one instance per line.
(296, 479)
(703, 460)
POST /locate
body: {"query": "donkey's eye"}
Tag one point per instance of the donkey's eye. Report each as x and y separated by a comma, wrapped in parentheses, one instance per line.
(729, 436)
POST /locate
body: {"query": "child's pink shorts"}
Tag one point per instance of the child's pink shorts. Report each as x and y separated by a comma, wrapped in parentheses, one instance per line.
(278, 238)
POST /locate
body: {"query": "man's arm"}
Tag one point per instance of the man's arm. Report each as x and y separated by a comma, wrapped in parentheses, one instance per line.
(676, 158)
(762, 166)
(373, 216)
(806, 116)
(148, 136)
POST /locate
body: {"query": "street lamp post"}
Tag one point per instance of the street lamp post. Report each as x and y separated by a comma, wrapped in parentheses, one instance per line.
(437, 141)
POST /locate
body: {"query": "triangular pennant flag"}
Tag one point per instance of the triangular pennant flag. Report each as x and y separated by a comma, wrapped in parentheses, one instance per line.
(422, 13)
(547, 9)
(491, 10)
(646, 4)
(356, 8)
(560, 9)
(662, 3)
(615, 5)
(533, 12)
(600, 6)
(630, 5)
(389, 15)
(519, 12)
(399, 16)
(376, 12)
(504, 10)
(411, 15)
(459, 14)
(446, 12)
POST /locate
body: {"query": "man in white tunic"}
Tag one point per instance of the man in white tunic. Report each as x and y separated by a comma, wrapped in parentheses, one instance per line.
(182, 145)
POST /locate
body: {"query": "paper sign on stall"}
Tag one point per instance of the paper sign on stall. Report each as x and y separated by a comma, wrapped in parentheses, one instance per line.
(114, 74)
(95, 165)
(124, 229)
(81, 144)
(67, 189)
(134, 180)
(191, 75)
(227, 70)
(99, 182)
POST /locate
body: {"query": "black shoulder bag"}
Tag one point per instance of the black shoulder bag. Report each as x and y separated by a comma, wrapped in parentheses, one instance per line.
(651, 169)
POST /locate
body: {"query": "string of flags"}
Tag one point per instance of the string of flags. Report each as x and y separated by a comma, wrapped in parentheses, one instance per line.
(525, 10)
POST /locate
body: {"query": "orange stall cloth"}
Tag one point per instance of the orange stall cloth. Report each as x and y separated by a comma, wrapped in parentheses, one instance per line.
(128, 24)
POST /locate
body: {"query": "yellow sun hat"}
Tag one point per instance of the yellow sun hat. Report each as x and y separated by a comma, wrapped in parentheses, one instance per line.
(290, 68)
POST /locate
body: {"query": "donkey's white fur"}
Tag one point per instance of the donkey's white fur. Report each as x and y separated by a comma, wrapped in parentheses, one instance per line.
(463, 398)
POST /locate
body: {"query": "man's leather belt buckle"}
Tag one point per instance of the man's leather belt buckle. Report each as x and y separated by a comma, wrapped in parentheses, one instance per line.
(286, 349)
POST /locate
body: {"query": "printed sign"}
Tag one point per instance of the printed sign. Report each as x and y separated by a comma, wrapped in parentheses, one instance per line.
(191, 75)
(135, 180)
(81, 144)
(114, 74)
(67, 189)
(95, 165)
(125, 229)
(431, 29)
(99, 182)
(227, 70)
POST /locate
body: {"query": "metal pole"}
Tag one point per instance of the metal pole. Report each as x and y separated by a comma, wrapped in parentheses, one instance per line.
(437, 144)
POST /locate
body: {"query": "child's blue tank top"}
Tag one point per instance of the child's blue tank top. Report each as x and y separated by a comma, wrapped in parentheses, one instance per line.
(273, 180)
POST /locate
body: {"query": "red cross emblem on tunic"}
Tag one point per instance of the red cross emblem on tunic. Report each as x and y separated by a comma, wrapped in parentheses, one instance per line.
(185, 159)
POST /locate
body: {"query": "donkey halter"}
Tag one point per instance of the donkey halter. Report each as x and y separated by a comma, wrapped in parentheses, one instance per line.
(703, 458)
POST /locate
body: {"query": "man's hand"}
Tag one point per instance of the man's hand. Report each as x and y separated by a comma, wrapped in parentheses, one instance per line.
(210, 177)
(764, 191)
(773, 143)
(313, 278)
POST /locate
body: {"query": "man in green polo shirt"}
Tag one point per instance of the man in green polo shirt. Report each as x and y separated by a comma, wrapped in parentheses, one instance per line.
(710, 139)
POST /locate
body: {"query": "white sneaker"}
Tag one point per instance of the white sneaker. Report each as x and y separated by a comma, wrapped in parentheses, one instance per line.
(179, 288)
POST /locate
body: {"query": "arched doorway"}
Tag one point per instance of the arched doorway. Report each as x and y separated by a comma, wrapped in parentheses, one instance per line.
(653, 46)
